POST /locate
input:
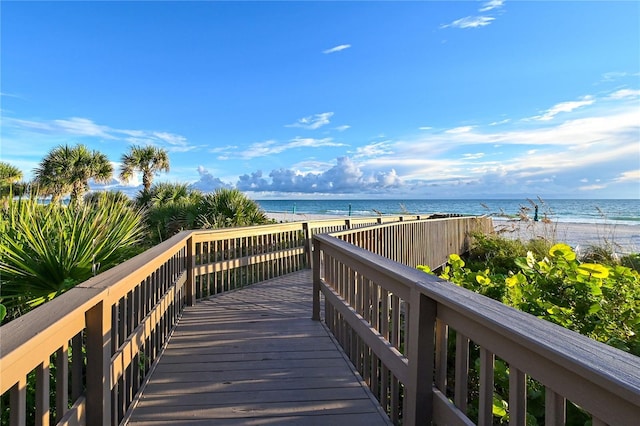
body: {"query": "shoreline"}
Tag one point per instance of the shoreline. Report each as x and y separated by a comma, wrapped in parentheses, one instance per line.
(623, 238)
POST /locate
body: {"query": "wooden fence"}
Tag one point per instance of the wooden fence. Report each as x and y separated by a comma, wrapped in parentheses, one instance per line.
(395, 322)
(88, 352)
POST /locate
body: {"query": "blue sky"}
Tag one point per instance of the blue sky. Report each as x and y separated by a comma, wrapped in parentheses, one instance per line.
(464, 99)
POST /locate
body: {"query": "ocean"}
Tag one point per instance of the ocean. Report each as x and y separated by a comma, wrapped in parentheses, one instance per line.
(625, 212)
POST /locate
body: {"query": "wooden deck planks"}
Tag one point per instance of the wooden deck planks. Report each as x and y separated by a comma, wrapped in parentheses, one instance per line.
(251, 357)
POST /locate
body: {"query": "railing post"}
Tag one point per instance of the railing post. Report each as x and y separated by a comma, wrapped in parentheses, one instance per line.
(315, 315)
(191, 278)
(98, 320)
(421, 351)
(308, 244)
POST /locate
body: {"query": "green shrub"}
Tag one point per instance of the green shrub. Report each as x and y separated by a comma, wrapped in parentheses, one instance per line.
(499, 254)
(601, 301)
(47, 249)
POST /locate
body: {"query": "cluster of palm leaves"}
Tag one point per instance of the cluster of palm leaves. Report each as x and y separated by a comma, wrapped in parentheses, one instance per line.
(46, 249)
(10, 176)
(171, 208)
(68, 170)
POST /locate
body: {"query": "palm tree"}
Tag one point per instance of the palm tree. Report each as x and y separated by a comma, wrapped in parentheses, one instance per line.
(68, 170)
(9, 176)
(147, 159)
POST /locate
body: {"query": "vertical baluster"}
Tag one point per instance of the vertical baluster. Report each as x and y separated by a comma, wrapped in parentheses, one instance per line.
(517, 397)
(395, 399)
(394, 330)
(77, 364)
(442, 337)
(42, 394)
(18, 403)
(375, 323)
(384, 389)
(462, 372)
(317, 277)
(485, 408)
(554, 408)
(62, 380)
(395, 321)
(366, 352)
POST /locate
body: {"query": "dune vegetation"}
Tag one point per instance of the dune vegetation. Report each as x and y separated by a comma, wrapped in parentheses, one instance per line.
(47, 245)
(596, 294)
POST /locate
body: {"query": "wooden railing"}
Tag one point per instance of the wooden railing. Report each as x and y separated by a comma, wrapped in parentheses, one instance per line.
(394, 322)
(92, 348)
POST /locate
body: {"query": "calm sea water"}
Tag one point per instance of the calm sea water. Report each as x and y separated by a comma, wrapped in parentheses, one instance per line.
(582, 211)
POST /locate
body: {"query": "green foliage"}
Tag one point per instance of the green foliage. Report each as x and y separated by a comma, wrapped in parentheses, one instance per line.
(9, 180)
(598, 300)
(227, 208)
(631, 261)
(9, 173)
(171, 208)
(47, 249)
(67, 170)
(499, 254)
(149, 160)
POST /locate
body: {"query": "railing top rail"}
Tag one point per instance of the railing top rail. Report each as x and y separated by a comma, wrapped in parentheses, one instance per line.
(609, 367)
(256, 230)
(406, 219)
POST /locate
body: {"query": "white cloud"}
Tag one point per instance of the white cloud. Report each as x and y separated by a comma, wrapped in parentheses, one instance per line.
(84, 127)
(425, 128)
(343, 128)
(462, 129)
(618, 75)
(564, 107)
(624, 94)
(10, 95)
(470, 22)
(219, 149)
(491, 4)
(271, 147)
(345, 177)
(591, 187)
(475, 156)
(497, 123)
(313, 122)
(311, 166)
(336, 48)
(208, 182)
(630, 176)
(375, 149)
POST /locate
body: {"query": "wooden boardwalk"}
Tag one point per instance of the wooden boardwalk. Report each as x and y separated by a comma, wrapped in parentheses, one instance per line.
(254, 357)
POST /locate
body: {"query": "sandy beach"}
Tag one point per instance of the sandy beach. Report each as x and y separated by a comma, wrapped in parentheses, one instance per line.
(624, 238)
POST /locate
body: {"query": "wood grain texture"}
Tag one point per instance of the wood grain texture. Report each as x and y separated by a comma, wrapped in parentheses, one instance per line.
(254, 356)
